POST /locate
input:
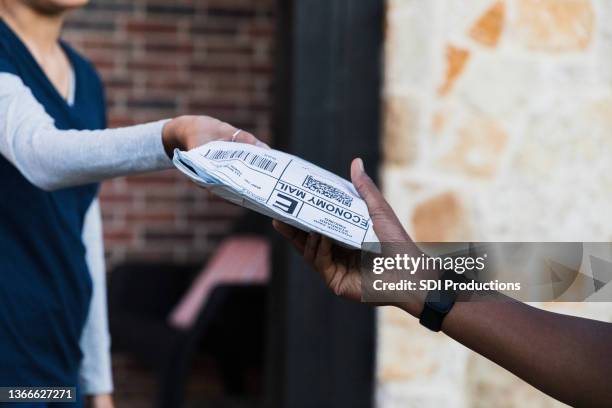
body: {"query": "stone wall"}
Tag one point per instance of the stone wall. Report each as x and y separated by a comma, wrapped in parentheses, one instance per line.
(498, 127)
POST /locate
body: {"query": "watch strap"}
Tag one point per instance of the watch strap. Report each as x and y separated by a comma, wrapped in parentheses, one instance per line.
(439, 303)
(431, 318)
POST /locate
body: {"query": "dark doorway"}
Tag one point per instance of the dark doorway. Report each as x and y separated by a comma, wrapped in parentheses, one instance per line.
(322, 349)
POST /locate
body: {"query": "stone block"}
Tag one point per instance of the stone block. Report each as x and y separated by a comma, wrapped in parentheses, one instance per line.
(490, 385)
(408, 45)
(500, 85)
(554, 25)
(402, 117)
(441, 218)
(488, 28)
(476, 153)
(456, 59)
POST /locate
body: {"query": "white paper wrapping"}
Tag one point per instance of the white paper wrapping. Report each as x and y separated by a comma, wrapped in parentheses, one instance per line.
(281, 186)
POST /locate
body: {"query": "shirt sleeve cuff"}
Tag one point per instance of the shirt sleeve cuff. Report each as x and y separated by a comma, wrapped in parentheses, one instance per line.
(102, 387)
(157, 151)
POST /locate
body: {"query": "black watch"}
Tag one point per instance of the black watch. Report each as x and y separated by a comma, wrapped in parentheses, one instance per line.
(438, 304)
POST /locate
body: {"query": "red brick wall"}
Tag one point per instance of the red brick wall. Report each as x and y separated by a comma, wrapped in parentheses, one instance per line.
(160, 59)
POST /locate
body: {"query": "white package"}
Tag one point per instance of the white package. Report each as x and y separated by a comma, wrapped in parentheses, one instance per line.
(281, 186)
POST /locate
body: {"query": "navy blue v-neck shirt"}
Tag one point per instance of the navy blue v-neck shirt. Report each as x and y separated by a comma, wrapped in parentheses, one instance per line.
(45, 286)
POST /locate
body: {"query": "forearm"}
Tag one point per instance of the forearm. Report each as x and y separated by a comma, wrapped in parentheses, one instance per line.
(566, 357)
(53, 159)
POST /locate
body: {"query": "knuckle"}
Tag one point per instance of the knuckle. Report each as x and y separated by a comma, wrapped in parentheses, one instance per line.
(226, 126)
(337, 290)
(364, 190)
(378, 211)
(360, 184)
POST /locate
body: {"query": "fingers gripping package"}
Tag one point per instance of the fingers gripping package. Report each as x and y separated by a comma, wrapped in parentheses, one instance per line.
(281, 186)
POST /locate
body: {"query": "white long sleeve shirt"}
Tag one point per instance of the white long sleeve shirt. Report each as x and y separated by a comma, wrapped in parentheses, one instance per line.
(52, 159)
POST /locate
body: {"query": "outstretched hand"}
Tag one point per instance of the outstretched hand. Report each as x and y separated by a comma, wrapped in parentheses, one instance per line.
(574, 371)
(189, 132)
(340, 266)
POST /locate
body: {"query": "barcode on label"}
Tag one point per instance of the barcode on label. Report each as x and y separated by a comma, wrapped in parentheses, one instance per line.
(253, 159)
(328, 191)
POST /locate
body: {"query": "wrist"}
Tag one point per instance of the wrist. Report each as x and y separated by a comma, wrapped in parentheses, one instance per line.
(171, 136)
(414, 302)
(99, 401)
(413, 306)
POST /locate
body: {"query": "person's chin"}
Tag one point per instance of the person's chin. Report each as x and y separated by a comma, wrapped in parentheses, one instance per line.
(52, 7)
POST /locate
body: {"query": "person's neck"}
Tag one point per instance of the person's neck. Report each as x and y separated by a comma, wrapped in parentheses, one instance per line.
(39, 31)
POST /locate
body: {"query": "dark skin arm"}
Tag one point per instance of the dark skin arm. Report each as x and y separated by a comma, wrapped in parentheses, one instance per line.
(566, 357)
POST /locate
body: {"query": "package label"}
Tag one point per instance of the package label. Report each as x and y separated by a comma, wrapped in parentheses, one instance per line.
(281, 186)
